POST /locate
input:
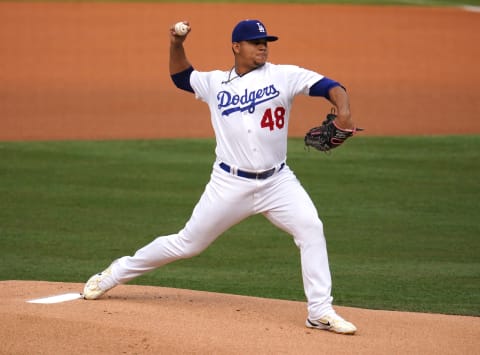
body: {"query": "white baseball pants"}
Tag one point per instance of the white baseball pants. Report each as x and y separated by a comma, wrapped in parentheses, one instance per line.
(229, 199)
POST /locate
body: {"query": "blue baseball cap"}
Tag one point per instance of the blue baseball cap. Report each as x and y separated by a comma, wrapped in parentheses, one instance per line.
(249, 30)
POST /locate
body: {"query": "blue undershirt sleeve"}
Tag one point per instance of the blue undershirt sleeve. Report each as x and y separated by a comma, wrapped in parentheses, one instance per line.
(322, 87)
(182, 79)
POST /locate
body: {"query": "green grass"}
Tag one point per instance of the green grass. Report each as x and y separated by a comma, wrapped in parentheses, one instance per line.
(400, 214)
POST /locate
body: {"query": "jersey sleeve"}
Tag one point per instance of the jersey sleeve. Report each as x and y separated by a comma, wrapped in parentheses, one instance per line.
(200, 84)
(300, 80)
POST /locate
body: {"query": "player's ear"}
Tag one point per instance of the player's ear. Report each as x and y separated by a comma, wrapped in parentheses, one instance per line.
(236, 47)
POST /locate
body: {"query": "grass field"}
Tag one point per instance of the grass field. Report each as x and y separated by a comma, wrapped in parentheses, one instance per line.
(400, 214)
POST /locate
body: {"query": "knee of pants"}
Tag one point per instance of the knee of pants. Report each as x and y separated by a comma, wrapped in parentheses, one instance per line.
(309, 232)
(191, 248)
(192, 251)
(308, 224)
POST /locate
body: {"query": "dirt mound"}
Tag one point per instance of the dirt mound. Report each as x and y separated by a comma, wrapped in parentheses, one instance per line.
(156, 320)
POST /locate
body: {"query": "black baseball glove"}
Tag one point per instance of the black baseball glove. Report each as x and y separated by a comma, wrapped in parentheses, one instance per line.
(328, 136)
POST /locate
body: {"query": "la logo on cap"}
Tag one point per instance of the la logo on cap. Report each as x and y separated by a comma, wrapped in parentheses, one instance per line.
(260, 27)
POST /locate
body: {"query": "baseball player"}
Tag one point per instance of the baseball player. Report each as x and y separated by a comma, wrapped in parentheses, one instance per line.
(250, 112)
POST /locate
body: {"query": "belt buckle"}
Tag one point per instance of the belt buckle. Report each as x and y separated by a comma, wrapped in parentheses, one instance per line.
(265, 174)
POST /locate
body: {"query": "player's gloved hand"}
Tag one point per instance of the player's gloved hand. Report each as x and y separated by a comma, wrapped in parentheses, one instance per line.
(328, 135)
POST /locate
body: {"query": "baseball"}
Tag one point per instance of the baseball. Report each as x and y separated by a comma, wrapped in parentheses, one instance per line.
(181, 29)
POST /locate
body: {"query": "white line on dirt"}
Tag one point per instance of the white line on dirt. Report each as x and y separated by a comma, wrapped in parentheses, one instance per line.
(57, 298)
(471, 8)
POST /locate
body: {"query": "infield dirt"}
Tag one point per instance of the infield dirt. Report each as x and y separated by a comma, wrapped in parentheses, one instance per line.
(157, 320)
(99, 71)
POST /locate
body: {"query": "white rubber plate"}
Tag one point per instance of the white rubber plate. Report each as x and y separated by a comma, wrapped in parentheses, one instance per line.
(58, 298)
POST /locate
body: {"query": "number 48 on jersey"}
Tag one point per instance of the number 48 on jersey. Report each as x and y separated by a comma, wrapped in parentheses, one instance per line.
(273, 119)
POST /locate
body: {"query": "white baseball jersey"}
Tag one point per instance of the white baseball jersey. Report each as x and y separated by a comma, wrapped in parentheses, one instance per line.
(250, 113)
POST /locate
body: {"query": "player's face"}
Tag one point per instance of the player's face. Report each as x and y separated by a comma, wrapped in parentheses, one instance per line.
(253, 53)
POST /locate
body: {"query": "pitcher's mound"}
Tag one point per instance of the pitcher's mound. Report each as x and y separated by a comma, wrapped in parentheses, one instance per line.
(157, 320)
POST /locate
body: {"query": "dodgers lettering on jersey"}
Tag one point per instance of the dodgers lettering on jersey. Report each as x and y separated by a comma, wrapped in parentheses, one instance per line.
(233, 102)
(250, 114)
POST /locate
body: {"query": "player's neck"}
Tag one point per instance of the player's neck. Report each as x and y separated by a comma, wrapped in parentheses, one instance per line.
(241, 70)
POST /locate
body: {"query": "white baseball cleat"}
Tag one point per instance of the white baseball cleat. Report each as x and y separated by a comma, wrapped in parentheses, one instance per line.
(332, 322)
(98, 284)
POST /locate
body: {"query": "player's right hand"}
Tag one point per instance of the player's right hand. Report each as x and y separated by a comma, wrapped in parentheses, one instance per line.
(176, 39)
